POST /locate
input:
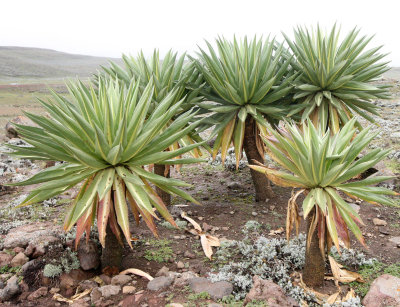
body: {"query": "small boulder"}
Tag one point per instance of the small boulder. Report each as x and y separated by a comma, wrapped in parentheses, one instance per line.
(182, 279)
(180, 265)
(19, 260)
(379, 222)
(11, 131)
(95, 295)
(217, 290)
(162, 272)
(234, 185)
(109, 290)
(5, 259)
(159, 283)
(38, 294)
(189, 254)
(87, 284)
(10, 290)
(128, 289)
(88, 255)
(270, 292)
(120, 280)
(384, 291)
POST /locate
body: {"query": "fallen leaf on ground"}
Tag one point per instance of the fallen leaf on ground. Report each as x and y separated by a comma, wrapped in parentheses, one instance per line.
(137, 272)
(207, 241)
(343, 275)
(58, 297)
(276, 231)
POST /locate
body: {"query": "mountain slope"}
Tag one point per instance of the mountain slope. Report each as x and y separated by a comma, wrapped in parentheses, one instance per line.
(21, 62)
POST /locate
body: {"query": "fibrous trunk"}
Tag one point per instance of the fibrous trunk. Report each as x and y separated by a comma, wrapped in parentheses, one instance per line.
(111, 256)
(314, 268)
(260, 181)
(160, 170)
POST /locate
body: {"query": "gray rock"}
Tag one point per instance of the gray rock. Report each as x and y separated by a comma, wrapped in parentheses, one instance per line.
(109, 290)
(395, 240)
(271, 293)
(128, 289)
(88, 255)
(19, 260)
(214, 305)
(39, 251)
(180, 265)
(189, 254)
(384, 291)
(10, 290)
(2, 284)
(355, 207)
(216, 290)
(30, 266)
(159, 283)
(120, 280)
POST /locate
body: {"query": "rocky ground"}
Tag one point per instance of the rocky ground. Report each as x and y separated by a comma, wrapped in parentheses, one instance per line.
(40, 267)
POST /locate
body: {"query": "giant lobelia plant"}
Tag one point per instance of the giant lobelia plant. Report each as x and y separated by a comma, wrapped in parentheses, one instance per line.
(336, 76)
(247, 83)
(106, 138)
(324, 167)
(168, 74)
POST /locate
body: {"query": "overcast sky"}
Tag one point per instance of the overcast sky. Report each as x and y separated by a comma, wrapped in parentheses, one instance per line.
(110, 28)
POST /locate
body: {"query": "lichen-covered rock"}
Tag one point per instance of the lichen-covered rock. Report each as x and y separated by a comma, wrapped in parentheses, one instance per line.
(36, 234)
(217, 290)
(384, 291)
(271, 293)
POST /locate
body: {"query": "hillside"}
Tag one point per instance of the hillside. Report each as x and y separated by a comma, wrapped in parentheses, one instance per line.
(28, 63)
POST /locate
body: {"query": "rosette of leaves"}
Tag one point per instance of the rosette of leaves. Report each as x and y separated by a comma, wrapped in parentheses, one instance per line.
(168, 74)
(106, 137)
(247, 85)
(324, 168)
(336, 76)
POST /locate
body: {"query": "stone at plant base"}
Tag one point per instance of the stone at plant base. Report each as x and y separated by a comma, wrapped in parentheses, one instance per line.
(379, 222)
(109, 290)
(175, 305)
(10, 290)
(19, 260)
(159, 283)
(216, 290)
(37, 294)
(214, 305)
(120, 280)
(270, 292)
(95, 295)
(36, 234)
(180, 265)
(5, 259)
(384, 291)
(128, 289)
(88, 255)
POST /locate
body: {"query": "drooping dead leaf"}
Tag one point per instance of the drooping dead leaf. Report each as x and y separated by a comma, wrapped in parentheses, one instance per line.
(136, 272)
(293, 217)
(343, 275)
(276, 231)
(207, 241)
(349, 295)
(332, 299)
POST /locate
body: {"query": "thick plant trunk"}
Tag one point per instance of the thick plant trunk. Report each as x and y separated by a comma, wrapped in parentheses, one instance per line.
(314, 268)
(159, 169)
(260, 181)
(111, 255)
